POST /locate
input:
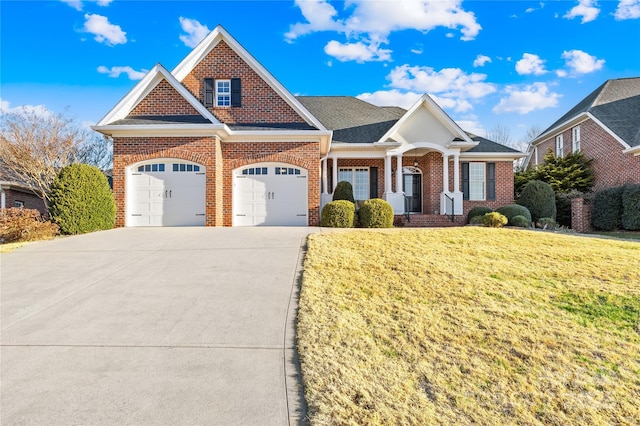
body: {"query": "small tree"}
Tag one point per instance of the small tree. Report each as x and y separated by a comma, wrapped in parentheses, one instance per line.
(540, 199)
(36, 144)
(568, 173)
(343, 191)
(81, 200)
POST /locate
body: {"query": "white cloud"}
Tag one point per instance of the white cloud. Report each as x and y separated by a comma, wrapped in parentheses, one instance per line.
(371, 22)
(39, 110)
(104, 2)
(194, 30)
(581, 62)
(587, 9)
(481, 60)
(359, 52)
(628, 9)
(472, 126)
(417, 51)
(561, 73)
(391, 98)
(448, 82)
(533, 9)
(115, 72)
(458, 105)
(530, 64)
(523, 100)
(104, 31)
(76, 4)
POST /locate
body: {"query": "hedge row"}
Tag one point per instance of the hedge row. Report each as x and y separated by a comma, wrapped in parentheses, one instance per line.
(617, 208)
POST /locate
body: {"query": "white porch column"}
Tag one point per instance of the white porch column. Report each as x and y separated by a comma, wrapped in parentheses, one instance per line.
(399, 174)
(335, 173)
(456, 173)
(445, 173)
(325, 190)
(387, 175)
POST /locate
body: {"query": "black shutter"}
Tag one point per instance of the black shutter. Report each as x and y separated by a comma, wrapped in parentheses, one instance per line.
(465, 181)
(236, 95)
(373, 182)
(208, 92)
(491, 181)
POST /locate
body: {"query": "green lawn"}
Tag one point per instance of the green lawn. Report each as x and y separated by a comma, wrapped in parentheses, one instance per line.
(470, 326)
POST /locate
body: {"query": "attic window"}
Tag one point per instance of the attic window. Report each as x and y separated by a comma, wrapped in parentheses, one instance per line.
(223, 93)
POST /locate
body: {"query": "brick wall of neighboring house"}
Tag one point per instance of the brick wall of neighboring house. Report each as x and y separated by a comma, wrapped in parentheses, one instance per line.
(611, 166)
(301, 154)
(163, 100)
(260, 103)
(220, 159)
(29, 199)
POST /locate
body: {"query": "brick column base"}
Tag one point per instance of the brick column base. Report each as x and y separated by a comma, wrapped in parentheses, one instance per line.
(580, 215)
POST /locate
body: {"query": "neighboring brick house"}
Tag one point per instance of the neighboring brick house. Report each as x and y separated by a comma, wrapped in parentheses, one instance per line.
(17, 194)
(605, 126)
(219, 141)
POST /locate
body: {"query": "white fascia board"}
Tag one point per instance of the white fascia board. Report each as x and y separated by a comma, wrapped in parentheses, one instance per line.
(496, 156)
(438, 113)
(608, 130)
(561, 127)
(462, 145)
(144, 87)
(169, 130)
(182, 70)
(633, 150)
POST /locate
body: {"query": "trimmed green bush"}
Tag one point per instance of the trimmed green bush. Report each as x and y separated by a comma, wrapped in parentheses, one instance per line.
(520, 221)
(494, 220)
(513, 210)
(338, 214)
(343, 191)
(376, 213)
(546, 223)
(17, 224)
(477, 220)
(606, 213)
(81, 200)
(540, 199)
(631, 207)
(477, 211)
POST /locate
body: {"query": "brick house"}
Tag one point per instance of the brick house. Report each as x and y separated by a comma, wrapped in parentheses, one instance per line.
(218, 141)
(604, 126)
(17, 194)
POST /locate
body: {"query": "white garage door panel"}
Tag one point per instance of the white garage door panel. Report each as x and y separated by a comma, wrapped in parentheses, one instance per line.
(166, 196)
(270, 194)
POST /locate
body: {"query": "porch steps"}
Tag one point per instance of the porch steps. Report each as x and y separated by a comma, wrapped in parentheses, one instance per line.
(428, 221)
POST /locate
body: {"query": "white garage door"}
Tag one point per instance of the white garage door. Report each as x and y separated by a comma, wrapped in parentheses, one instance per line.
(166, 192)
(270, 194)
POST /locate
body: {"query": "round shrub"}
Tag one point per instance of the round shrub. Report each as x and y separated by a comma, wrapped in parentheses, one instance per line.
(477, 211)
(513, 210)
(343, 191)
(494, 220)
(546, 223)
(520, 221)
(539, 198)
(477, 220)
(338, 214)
(606, 213)
(376, 213)
(81, 200)
(631, 208)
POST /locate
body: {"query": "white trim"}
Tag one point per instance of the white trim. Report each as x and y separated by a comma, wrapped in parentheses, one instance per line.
(490, 156)
(143, 88)
(438, 113)
(216, 92)
(550, 133)
(634, 150)
(182, 70)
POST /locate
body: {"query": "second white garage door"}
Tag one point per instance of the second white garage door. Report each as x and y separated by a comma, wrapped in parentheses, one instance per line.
(270, 194)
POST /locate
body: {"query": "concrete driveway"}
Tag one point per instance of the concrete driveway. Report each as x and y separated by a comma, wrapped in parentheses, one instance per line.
(180, 326)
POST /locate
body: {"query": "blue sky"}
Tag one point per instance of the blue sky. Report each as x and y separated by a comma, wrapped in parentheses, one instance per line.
(514, 64)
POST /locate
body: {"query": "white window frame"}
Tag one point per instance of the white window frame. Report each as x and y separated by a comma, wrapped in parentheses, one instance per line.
(575, 139)
(358, 189)
(223, 97)
(559, 146)
(476, 183)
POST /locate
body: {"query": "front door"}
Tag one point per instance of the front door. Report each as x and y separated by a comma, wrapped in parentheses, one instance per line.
(413, 191)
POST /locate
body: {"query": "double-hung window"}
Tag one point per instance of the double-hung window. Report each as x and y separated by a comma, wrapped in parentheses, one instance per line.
(358, 177)
(223, 93)
(575, 139)
(559, 146)
(478, 181)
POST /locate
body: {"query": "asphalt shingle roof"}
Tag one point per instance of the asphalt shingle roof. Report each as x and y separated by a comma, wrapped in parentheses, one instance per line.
(616, 103)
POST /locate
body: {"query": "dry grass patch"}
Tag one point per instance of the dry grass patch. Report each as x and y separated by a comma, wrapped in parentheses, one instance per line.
(470, 326)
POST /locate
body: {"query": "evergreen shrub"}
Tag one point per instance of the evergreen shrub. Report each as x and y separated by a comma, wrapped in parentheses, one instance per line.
(376, 213)
(338, 214)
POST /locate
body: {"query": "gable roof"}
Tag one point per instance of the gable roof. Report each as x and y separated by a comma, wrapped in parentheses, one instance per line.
(615, 104)
(157, 74)
(218, 34)
(486, 145)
